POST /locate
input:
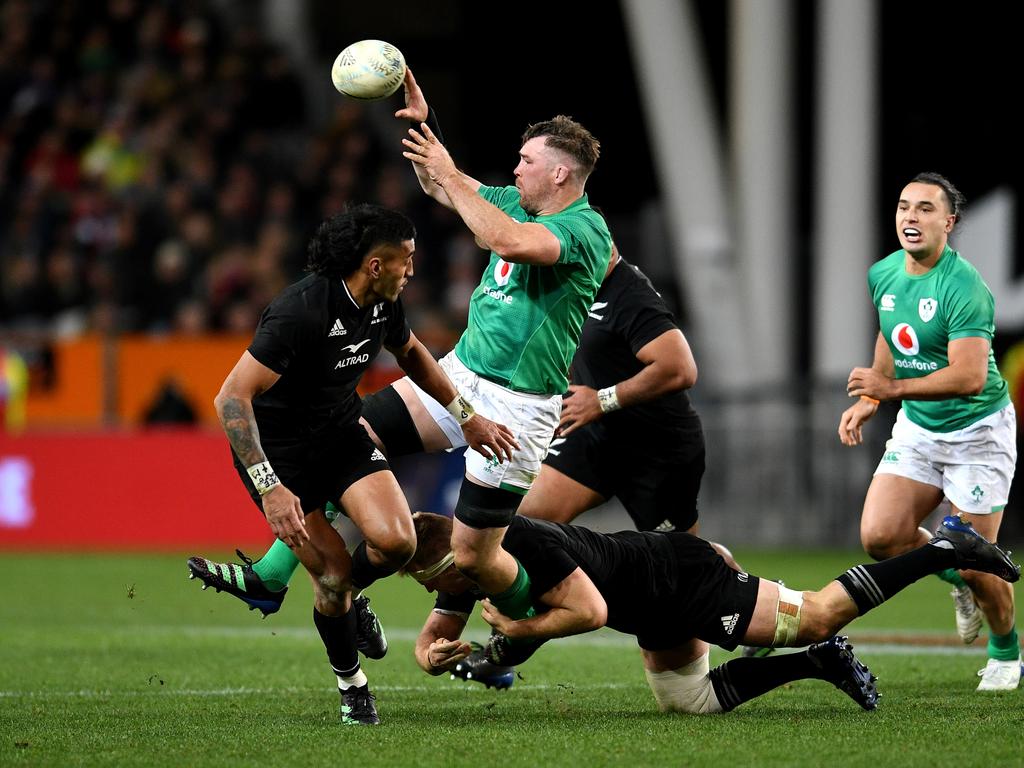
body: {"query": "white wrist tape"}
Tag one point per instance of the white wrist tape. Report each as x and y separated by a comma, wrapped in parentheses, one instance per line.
(460, 409)
(608, 399)
(263, 477)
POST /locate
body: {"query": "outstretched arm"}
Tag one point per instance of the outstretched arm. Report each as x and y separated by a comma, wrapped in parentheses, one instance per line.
(521, 243)
(417, 111)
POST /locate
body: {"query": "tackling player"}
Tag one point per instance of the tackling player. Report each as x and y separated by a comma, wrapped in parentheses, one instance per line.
(676, 594)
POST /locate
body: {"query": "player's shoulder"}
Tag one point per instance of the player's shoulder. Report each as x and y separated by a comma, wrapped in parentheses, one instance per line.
(955, 264)
(303, 297)
(887, 268)
(888, 263)
(310, 288)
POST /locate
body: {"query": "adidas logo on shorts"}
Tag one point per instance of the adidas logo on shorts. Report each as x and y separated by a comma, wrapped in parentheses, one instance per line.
(377, 455)
(729, 623)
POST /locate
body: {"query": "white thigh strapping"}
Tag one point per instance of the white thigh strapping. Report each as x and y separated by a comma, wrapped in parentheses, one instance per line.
(687, 689)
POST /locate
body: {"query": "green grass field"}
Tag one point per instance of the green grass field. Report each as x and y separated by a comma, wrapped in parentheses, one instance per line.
(120, 660)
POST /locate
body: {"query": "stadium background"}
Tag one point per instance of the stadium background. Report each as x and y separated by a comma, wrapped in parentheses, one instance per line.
(161, 166)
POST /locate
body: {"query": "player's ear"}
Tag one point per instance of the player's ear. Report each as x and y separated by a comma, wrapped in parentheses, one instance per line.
(374, 266)
(562, 173)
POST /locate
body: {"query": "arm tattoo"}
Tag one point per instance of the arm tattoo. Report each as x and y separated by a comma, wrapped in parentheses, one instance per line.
(239, 423)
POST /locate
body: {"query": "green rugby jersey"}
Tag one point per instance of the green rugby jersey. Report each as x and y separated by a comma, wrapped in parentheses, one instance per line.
(525, 320)
(919, 314)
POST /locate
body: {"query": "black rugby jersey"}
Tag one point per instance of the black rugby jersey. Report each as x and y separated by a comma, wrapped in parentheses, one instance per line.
(321, 343)
(636, 572)
(627, 314)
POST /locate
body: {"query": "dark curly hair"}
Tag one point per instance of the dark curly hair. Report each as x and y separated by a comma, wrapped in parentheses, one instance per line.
(954, 197)
(340, 243)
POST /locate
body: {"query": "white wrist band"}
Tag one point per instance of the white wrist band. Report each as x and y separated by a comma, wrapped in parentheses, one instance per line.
(608, 399)
(263, 477)
(460, 409)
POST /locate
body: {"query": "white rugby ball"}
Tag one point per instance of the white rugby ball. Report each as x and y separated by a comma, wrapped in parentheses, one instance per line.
(369, 70)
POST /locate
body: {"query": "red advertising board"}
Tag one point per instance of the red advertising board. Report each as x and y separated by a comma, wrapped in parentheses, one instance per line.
(167, 490)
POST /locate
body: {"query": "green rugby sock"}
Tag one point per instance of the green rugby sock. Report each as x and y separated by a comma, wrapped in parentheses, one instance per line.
(1004, 647)
(515, 601)
(952, 576)
(276, 567)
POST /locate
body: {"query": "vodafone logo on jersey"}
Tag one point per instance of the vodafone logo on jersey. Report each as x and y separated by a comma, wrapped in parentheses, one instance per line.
(904, 338)
(502, 272)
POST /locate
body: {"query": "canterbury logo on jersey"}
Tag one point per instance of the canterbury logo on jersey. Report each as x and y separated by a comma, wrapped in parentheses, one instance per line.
(888, 302)
(337, 329)
(596, 306)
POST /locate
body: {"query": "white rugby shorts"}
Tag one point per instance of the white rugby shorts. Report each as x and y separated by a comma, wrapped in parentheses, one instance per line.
(973, 466)
(532, 419)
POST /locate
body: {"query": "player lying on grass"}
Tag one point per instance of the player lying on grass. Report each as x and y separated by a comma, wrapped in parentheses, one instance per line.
(677, 595)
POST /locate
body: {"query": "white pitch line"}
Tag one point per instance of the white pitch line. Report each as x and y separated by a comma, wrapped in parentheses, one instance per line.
(192, 692)
(601, 639)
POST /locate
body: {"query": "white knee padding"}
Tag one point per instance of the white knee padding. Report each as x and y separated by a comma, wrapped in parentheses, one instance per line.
(787, 617)
(687, 689)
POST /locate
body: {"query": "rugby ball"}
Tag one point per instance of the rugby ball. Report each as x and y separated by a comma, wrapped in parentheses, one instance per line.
(369, 70)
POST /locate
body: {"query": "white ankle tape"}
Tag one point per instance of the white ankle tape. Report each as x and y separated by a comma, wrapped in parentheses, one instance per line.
(787, 616)
(687, 689)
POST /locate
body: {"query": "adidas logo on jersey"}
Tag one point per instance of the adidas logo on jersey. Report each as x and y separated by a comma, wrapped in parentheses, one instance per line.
(729, 623)
(337, 330)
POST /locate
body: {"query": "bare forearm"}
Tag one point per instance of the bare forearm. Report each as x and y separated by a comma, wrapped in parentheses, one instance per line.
(239, 424)
(557, 622)
(488, 223)
(424, 370)
(943, 384)
(650, 383)
(430, 187)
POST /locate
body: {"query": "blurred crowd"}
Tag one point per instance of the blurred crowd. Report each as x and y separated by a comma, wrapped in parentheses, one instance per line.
(160, 172)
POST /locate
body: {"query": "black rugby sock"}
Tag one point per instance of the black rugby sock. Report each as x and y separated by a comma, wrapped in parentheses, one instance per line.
(871, 584)
(339, 636)
(364, 573)
(742, 679)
